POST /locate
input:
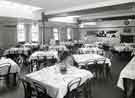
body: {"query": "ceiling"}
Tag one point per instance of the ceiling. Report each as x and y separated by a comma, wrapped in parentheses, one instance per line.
(51, 5)
(88, 9)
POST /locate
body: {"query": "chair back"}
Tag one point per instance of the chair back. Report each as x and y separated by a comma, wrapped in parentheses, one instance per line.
(40, 89)
(34, 65)
(92, 62)
(101, 61)
(128, 86)
(87, 89)
(91, 65)
(74, 84)
(28, 88)
(4, 69)
(20, 60)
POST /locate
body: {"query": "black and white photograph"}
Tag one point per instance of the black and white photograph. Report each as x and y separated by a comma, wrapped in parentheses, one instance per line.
(67, 48)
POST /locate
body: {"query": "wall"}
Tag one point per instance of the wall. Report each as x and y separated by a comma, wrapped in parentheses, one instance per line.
(117, 25)
(7, 36)
(62, 29)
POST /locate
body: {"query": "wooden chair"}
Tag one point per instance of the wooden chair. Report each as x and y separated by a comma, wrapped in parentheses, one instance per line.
(99, 68)
(107, 72)
(91, 65)
(29, 90)
(4, 73)
(41, 91)
(20, 60)
(34, 65)
(87, 89)
(40, 61)
(128, 87)
(72, 88)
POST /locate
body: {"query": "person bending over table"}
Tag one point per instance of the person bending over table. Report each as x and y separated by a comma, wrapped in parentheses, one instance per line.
(66, 60)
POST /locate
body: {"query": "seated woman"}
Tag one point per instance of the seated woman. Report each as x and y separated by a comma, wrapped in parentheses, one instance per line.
(66, 61)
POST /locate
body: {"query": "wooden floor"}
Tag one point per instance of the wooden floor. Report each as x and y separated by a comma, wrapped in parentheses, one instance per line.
(100, 89)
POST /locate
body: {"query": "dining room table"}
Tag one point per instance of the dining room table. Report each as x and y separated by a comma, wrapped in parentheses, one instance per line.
(18, 50)
(127, 72)
(92, 50)
(123, 47)
(58, 47)
(84, 59)
(55, 82)
(33, 45)
(47, 54)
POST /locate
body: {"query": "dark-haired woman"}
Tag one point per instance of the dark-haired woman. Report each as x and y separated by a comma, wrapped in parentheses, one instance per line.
(66, 61)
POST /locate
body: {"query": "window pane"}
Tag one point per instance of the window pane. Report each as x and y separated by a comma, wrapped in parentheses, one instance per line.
(34, 33)
(20, 33)
(55, 34)
(55, 30)
(68, 33)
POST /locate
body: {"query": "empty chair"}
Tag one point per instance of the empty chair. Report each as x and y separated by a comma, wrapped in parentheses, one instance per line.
(99, 68)
(50, 60)
(29, 90)
(41, 91)
(91, 65)
(40, 61)
(20, 60)
(87, 89)
(104, 69)
(129, 87)
(4, 74)
(34, 66)
(107, 72)
(72, 88)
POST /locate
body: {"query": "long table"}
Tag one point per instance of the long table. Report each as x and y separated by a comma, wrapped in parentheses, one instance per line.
(123, 48)
(55, 82)
(22, 50)
(58, 47)
(83, 59)
(127, 72)
(51, 53)
(92, 50)
(31, 45)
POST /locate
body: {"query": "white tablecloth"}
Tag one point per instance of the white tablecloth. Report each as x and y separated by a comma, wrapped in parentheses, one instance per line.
(85, 58)
(34, 45)
(127, 72)
(51, 53)
(21, 50)
(58, 47)
(14, 67)
(55, 82)
(122, 48)
(93, 50)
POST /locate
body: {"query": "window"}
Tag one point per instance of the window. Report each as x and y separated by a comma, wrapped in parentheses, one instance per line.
(68, 33)
(21, 33)
(55, 34)
(35, 33)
